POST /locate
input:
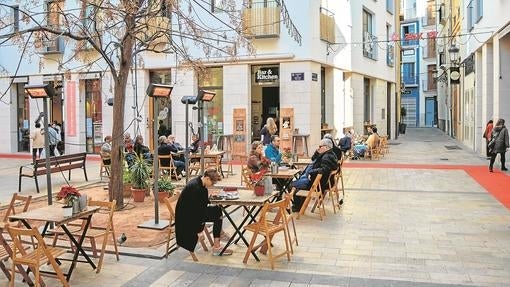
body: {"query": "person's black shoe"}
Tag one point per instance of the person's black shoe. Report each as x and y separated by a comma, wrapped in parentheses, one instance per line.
(504, 168)
(295, 209)
(490, 169)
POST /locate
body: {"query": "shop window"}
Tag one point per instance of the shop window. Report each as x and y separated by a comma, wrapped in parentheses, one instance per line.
(93, 115)
(23, 108)
(212, 80)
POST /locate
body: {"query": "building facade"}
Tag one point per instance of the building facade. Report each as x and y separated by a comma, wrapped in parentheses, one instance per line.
(338, 75)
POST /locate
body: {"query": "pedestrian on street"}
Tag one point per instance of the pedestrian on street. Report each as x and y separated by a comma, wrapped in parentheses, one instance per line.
(37, 138)
(487, 135)
(500, 133)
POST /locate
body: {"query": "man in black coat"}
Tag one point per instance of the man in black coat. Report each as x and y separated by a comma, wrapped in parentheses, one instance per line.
(324, 162)
(192, 212)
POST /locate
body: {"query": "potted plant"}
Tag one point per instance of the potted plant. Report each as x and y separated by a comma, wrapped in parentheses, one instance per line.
(286, 155)
(140, 172)
(402, 126)
(165, 188)
(69, 194)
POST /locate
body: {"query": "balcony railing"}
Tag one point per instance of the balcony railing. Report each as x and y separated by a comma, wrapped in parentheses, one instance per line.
(327, 25)
(429, 85)
(53, 45)
(262, 20)
(409, 79)
(369, 46)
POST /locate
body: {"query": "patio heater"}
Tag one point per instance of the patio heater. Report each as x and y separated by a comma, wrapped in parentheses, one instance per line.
(203, 96)
(44, 92)
(156, 91)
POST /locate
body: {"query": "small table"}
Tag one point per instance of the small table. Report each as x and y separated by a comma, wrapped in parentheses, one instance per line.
(252, 204)
(283, 179)
(53, 214)
(215, 156)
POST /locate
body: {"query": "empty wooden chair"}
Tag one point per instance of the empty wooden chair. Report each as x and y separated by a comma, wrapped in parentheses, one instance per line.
(315, 193)
(267, 227)
(18, 204)
(290, 220)
(105, 169)
(170, 204)
(167, 166)
(104, 232)
(34, 258)
(332, 190)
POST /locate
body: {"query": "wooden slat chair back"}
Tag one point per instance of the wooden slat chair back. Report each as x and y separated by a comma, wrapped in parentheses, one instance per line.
(245, 177)
(105, 169)
(384, 147)
(333, 189)
(290, 220)
(34, 258)
(107, 209)
(268, 228)
(315, 192)
(170, 203)
(170, 170)
(18, 204)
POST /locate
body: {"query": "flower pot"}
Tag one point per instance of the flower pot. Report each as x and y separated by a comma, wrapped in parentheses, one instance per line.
(259, 190)
(76, 207)
(138, 194)
(67, 211)
(126, 192)
(162, 195)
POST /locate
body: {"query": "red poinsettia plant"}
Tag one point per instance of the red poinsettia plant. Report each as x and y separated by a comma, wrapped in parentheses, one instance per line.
(257, 177)
(265, 163)
(68, 194)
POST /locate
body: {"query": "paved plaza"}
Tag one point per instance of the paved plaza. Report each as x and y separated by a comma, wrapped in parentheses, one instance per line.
(417, 217)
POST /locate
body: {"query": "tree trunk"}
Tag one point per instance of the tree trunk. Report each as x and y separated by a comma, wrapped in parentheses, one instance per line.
(119, 100)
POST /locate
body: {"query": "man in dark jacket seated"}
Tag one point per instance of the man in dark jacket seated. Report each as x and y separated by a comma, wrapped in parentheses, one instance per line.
(165, 149)
(324, 162)
(193, 211)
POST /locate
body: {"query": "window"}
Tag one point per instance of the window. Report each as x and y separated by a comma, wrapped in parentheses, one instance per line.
(431, 81)
(390, 47)
(431, 48)
(408, 32)
(53, 12)
(163, 77)
(469, 14)
(479, 10)
(369, 40)
(213, 111)
(93, 115)
(389, 6)
(409, 73)
(431, 17)
(15, 18)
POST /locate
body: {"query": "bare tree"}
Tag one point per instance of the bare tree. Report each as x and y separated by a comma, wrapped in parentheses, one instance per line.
(116, 31)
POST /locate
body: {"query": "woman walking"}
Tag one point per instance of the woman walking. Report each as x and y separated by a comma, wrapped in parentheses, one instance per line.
(500, 133)
(268, 130)
(487, 135)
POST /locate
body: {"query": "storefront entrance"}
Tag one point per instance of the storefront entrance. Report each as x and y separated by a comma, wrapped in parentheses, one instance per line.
(265, 97)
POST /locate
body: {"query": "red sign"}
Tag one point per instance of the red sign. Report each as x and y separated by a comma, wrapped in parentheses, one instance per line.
(421, 35)
(70, 99)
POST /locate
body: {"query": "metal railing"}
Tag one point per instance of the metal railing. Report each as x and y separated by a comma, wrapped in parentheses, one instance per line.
(262, 19)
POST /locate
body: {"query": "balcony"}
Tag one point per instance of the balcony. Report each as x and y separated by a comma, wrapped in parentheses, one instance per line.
(327, 25)
(262, 20)
(410, 80)
(369, 46)
(429, 85)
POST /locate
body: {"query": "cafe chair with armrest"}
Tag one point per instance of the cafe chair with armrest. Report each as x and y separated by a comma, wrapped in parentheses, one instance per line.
(36, 257)
(170, 204)
(269, 228)
(314, 193)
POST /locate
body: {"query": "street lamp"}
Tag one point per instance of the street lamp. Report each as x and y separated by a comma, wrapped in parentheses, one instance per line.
(44, 92)
(156, 91)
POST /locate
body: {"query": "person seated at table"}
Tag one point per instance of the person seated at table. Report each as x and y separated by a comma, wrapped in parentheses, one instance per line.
(129, 154)
(272, 151)
(324, 161)
(257, 160)
(175, 147)
(346, 143)
(165, 149)
(193, 210)
(106, 150)
(141, 149)
(336, 149)
(373, 139)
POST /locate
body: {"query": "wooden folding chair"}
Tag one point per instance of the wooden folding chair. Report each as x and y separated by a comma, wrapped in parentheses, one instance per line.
(35, 258)
(95, 232)
(268, 228)
(315, 192)
(245, 177)
(105, 169)
(332, 190)
(167, 170)
(290, 219)
(170, 203)
(18, 204)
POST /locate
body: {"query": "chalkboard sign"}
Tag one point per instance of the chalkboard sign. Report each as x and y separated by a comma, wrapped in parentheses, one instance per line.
(297, 76)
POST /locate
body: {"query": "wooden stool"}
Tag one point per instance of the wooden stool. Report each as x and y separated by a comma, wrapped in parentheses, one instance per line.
(304, 141)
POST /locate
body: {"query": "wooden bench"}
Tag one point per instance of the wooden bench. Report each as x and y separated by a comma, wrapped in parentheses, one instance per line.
(57, 164)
